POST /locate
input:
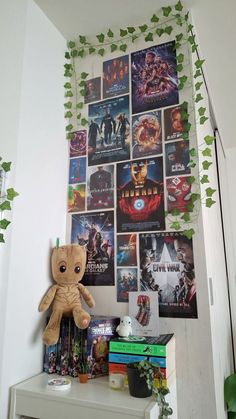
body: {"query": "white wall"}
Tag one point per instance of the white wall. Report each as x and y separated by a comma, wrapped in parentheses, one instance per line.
(34, 133)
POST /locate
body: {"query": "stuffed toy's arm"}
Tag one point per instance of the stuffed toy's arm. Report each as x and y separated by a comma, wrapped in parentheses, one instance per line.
(48, 298)
(86, 295)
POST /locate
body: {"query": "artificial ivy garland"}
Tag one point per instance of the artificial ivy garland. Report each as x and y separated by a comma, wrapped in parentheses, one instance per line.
(6, 197)
(109, 42)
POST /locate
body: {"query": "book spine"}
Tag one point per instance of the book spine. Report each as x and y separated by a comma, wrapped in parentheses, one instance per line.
(126, 358)
(137, 349)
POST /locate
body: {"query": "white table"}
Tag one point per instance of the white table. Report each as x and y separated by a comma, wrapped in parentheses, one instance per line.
(93, 400)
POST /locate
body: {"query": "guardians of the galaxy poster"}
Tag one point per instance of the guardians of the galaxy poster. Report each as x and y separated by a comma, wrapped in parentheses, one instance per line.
(167, 267)
(109, 131)
(96, 231)
(140, 195)
(154, 78)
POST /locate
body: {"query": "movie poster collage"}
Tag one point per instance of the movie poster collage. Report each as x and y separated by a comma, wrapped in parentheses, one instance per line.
(126, 170)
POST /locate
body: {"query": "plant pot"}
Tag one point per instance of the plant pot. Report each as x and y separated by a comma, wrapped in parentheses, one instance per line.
(83, 378)
(137, 385)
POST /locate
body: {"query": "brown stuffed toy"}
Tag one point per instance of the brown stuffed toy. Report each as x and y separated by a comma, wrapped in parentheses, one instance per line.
(68, 266)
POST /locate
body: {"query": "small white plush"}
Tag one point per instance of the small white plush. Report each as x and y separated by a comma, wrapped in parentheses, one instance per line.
(124, 329)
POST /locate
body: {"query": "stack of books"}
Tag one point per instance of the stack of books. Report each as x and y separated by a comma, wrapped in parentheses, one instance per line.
(81, 349)
(160, 350)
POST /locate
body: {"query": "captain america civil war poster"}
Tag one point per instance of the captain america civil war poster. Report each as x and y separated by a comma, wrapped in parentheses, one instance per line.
(140, 195)
(154, 78)
(109, 131)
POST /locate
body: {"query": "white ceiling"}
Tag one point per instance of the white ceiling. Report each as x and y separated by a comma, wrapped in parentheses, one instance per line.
(215, 26)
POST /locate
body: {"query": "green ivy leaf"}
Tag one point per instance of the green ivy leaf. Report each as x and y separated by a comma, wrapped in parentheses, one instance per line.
(187, 126)
(84, 75)
(198, 85)
(206, 152)
(185, 136)
(5, 206)
(123, 32)
(175, 225)
(11, 194)
(68, 114)
(176, 46)
(203, 119)
(71, 44)
(69, 127)
(149, 37)
(166, 11)
(179, 37)
(193, 152)
(154, 19)
(84, 122)
(201, 111)
(191, 39)
(143, 28)
(206, 164)
(190, 27)
(67, 74)
(159, 31)
(68, 66)
(101, 38)
(184, 106)
(194, 47)
(79, 105)
(209, 202)
(195, 197)
(186, 17)
(204, 179)
(180, 58)
(82, 83)
(179, 6)
(131, 29)
(2, 238)
(69, 93)
(168, 29)
(190, 206)
(91, 50)
(78, 116)
(110, 34)
(184, 115)
(209, 140)
(175, 212)
(74, 53)
(197, 74)
(210, 191)
(68, 105)
(69, 135)
(186, 217)
(183, 79)
(190, 180)
(191, 164)
(67, 85)
(179, 68)
(198, 97)
(198, 63)
(123, 47)
(81, 53)
(6, 166)
(113, 47)
(82, 92)
(4, 223)
(101, 51)
(189, 233)
(134, 37)
(67, 55)
(82, 39)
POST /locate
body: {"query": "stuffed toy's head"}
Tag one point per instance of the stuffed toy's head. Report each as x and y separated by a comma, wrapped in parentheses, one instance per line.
(68, 264)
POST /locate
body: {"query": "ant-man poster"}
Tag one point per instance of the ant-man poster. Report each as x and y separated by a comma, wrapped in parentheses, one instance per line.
(154, 78)
(140, 195)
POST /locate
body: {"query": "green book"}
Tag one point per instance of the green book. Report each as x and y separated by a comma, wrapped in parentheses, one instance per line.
(163, 345)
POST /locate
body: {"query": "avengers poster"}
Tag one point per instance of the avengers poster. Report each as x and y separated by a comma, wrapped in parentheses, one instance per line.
(92, 90)
(116, 76)
(78, 143)
(126, 250)
(173, 123)
(167, 267)
(177, 158)
(140, 195)
(76, 198)
(109, 131)
(178, 192)
(126, 282)
(95, 230)
(100, 187)
(154, 78)
(77, 170)
(146, 134)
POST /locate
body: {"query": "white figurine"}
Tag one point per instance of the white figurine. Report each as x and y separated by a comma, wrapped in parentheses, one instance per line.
(124, 329)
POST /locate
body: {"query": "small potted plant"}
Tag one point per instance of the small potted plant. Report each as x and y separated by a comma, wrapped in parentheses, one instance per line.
(152, 384)
(83, 372)
(230, 395)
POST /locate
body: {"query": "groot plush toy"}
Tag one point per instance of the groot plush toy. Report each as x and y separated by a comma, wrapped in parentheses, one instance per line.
(68, 266)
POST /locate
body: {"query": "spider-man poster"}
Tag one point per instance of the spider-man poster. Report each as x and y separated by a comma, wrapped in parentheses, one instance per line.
(178, 193)
(140, 195)
(154, 78)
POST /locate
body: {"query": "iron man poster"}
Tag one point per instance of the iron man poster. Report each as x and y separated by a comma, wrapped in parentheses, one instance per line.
(140, 195)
